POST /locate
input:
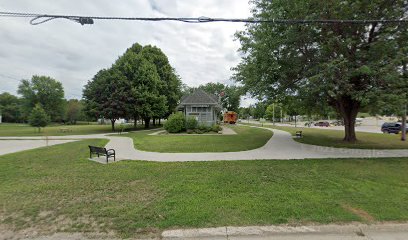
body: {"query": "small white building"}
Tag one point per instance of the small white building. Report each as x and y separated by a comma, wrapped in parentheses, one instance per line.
(201, 105)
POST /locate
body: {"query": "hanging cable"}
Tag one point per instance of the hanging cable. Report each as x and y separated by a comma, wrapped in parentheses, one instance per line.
(37, 19)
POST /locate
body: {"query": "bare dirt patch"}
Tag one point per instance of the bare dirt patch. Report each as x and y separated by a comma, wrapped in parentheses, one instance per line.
(359, 212)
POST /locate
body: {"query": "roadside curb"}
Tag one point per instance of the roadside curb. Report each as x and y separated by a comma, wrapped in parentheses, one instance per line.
(278, 230)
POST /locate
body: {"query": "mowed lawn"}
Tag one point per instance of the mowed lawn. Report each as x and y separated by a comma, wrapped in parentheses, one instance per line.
(246, 139)
(56, 189)
(15, 129)
(334, 138)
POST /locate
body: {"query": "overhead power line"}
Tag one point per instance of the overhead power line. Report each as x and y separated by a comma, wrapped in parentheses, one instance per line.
(37, 19)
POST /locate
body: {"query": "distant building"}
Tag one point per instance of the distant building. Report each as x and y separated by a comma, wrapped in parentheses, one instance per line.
(201, 105)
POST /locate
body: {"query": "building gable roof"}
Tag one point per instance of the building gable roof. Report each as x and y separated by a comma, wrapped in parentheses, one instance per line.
(199, 97)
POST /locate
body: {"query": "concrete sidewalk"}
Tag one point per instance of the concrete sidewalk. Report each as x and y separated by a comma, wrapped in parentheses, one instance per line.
(280, 147)
(11, 146)
(313, 232)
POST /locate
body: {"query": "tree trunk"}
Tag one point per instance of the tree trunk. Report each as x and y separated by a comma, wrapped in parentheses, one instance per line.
(135, 122)
(159, 121)
(113, 124)
(147, 123)
(348, 108)
(154, 121)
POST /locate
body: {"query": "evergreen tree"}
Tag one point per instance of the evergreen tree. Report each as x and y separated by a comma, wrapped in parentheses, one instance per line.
(38, 117)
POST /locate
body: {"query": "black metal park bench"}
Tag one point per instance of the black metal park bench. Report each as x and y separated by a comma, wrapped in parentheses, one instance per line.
(102, 151)
(299, 134)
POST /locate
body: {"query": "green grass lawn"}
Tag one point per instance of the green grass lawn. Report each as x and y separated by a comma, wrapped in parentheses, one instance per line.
(246, 139)
(334, 138)
(13, 129)
(57, 189)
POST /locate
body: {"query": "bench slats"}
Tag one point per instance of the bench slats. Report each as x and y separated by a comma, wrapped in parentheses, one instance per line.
(102, 151)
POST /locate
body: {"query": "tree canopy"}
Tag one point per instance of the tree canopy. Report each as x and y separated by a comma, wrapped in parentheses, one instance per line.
(10, 107)
(105, 95)
(340, 64)
(141, 84)
(42, 90)
(231, 97)
(73, 111)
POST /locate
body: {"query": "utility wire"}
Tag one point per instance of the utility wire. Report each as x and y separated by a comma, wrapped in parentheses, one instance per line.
(37, 19)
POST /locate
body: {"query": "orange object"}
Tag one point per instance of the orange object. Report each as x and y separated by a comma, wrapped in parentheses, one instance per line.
(230, 117)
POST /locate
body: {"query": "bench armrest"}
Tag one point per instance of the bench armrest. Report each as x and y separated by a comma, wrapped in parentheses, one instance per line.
(111, 150)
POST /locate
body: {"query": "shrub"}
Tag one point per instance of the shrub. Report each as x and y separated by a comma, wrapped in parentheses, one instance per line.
(198, 131)
(191, 123)
(216, 128)
(204, 128)
(175, 123)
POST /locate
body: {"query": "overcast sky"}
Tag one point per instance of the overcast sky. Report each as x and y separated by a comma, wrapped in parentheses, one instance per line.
(72, 53)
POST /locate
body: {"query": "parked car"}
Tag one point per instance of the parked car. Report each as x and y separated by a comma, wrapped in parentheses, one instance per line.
(392, 128)
(322, 124)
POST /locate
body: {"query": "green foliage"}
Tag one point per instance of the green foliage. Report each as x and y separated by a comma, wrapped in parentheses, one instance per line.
(10, 108)
(42, 90)
(216, 128)
(141, 84)
(259, 110)
(175, 123)
(244, 112)
(170, 83)
(191, 123)
(154, 88)
(38, 117)
(341, 65)
(231, 98)
(105, 96)
(269, 112)
(73, 111)
(203, 128)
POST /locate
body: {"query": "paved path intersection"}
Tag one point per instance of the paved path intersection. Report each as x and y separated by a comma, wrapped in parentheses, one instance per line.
(280, 146)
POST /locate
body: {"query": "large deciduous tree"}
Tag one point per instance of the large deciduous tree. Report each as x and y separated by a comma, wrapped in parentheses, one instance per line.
(339, 63)
(10, 107)
(144, 85)
(105, 95)
(42, 90)
(73, 111)
(170, 83)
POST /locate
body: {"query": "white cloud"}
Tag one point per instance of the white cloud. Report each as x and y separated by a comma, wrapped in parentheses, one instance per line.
(73, 53)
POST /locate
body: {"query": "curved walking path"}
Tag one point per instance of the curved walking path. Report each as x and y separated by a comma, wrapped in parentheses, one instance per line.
(280, 146)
